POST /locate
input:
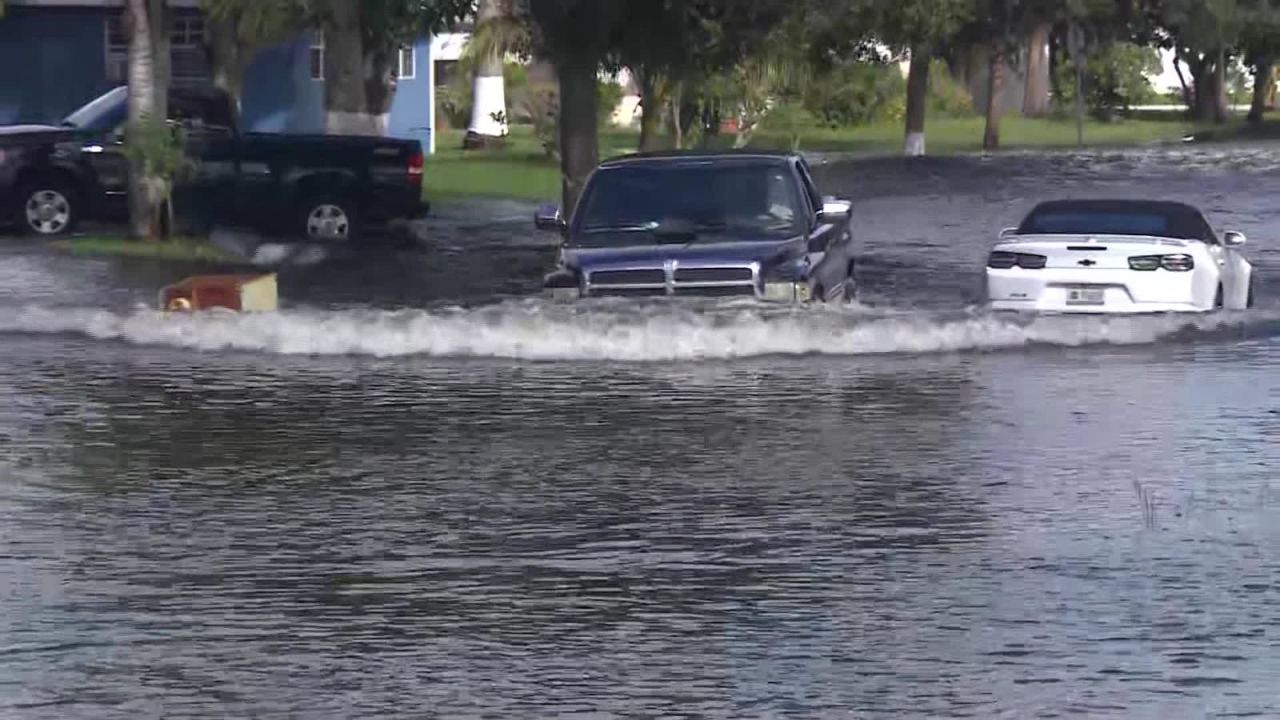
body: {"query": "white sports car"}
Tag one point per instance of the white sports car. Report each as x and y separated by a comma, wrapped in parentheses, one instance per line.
(1117, 256)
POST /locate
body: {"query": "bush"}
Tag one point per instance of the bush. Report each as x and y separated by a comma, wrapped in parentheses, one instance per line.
(947, 96)
(1116, 78)
(453, 106)
(856, 93)
(610, 96)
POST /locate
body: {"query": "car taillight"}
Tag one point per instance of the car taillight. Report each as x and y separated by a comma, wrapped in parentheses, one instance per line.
(416, 163)
(1001, 260)
(1172, 263)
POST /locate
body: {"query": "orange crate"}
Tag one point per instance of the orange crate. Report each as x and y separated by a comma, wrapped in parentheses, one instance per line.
(242, 293)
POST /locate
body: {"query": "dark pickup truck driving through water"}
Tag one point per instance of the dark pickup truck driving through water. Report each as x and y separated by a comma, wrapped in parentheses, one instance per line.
(323, 187)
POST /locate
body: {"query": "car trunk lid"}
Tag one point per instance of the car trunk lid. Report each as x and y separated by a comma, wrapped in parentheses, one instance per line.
(1102, 252)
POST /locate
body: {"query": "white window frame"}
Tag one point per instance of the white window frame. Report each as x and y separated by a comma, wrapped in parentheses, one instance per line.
(316, 69)
(410, 52)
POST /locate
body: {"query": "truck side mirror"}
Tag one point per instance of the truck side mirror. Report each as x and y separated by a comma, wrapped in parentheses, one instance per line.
(835, 210)
(1233, 239)
(549, 219)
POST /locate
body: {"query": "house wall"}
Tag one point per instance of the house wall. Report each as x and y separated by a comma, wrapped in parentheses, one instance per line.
(280, 95)
(52, 61)
(412, 107)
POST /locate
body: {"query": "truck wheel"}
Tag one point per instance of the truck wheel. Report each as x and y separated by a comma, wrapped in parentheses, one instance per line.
(327, 218)
(48, 208)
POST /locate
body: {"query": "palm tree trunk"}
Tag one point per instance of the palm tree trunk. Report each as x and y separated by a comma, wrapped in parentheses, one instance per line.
(488, 89)
(227, 58)
(142, 105)
(1262, 83)
(917, 99)
(995, 87)
(161, 53)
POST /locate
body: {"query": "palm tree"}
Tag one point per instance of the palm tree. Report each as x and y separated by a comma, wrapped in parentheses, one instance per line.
(142, 107)
(496, 33)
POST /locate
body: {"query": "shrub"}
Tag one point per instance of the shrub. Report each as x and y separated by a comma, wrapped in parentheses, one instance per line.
(947, 96)
(1116, 78)
(856, 93)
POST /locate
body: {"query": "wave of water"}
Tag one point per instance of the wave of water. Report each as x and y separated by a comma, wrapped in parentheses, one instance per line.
(649, 332)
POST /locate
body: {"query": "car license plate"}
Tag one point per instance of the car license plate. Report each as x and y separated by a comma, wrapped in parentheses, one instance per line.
(1086, 296)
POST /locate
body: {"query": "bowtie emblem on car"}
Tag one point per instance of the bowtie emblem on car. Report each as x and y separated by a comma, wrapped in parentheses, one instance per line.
(1087, 262)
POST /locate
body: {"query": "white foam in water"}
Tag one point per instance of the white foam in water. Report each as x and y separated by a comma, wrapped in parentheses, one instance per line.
(540, 331)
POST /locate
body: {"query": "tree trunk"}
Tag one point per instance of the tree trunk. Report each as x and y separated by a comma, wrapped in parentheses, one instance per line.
(677, 129)
(488, 89)
(917, 99)
(995, 86)
(161, 53)
(142, 105)
(1220, 108)
(345, 101)
(1036, 101)
(227, 59)
(1055, 59)
(379, 84)
(1208, 75)
(650, 109)
(579, 126)
(1187, 96)
(1262, 82)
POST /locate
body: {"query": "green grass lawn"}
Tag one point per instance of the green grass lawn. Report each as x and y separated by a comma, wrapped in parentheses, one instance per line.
(179, 249)
(523, 171)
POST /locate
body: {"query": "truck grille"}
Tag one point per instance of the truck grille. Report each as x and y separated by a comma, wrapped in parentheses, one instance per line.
(713, 275)
(629, 277)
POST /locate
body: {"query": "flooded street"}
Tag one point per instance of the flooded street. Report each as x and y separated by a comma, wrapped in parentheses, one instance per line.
(418, 492)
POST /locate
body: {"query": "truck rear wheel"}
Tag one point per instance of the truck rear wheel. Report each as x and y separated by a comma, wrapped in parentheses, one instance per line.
(47, 208)
(328, 218)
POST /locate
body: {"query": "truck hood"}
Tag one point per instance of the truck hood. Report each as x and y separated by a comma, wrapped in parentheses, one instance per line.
(651, 255)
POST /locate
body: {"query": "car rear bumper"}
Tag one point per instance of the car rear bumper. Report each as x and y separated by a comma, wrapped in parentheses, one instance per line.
(1094, 291)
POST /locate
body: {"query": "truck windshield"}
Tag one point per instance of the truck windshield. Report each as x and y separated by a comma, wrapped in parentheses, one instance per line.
(751, 201)
(104, 113)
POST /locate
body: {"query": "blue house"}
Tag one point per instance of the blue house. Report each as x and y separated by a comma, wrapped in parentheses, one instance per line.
(56, 55)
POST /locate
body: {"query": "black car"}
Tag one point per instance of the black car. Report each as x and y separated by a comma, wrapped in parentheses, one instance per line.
(326, 187)
(728, 224)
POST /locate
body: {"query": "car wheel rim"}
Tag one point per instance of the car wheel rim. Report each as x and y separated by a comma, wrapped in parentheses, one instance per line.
(48, 212)
(328, 222)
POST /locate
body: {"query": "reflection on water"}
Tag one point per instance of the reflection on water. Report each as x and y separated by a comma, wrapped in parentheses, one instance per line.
(679, 510)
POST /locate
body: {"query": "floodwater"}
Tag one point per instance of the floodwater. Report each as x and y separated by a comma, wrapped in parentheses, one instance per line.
(418, 493)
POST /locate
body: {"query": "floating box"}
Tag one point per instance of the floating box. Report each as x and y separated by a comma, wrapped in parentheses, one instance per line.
(242, 293)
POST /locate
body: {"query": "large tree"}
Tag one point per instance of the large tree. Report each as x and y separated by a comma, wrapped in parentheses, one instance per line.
(363, 39)
(236, 29)
(1260, 42)
(1204, 35)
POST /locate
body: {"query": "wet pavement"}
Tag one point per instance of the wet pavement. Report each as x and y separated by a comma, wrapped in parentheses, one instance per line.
(419, 491)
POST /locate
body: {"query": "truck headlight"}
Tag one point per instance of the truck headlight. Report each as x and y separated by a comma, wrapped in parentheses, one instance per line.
(787, 291)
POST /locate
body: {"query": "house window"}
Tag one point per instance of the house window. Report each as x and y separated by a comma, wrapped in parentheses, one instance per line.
(188, 61)
(187, 32)
(117, 49)
(317, 56)
(408, 63)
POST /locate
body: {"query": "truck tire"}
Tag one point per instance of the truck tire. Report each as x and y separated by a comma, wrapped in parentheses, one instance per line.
(328, 218)
(47, 207)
